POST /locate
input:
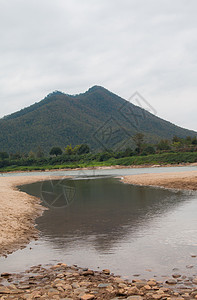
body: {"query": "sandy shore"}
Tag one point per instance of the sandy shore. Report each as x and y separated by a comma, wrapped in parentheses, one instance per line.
(18, 212)
(179, 180)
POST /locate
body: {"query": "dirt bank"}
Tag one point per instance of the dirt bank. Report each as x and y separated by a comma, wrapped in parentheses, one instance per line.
(180, 180)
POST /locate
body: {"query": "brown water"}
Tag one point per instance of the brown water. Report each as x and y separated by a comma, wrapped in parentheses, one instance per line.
(103, 223)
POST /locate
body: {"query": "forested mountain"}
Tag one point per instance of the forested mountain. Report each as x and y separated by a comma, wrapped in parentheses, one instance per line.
(97, 117)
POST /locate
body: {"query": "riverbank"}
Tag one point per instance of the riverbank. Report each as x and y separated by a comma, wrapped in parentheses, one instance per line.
(106, 167)
(18, 212)
(181, 180)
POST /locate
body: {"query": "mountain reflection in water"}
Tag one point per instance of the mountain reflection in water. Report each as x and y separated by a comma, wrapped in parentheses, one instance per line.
(104, 211)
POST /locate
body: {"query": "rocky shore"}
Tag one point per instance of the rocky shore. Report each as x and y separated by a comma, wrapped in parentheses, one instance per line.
(63, 282)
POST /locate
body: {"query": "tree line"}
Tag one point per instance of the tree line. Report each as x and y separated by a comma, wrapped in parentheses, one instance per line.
(83, 153)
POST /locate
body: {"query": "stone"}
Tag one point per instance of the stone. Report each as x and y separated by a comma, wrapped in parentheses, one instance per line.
(171, 281)
(106, 271)
(147, 287)
(103, 285)
(133, 291)
(157, 296)
(118, 279)
(151, 283)
(134, 298)
(87, 297)
(5, 274)
(194, 280)
(88, 272)
(75, 285)
(189, 266)
(176, 275)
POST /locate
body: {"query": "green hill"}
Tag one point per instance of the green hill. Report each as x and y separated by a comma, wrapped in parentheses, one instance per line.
(97, 117)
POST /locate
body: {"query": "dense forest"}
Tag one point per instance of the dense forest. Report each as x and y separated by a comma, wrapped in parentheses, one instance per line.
(97, 117)
(175, 151)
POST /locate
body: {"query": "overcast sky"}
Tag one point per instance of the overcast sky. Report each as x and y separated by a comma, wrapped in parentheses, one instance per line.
(149, 46)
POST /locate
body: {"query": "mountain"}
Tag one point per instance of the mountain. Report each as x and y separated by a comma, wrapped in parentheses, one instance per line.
(97, 117)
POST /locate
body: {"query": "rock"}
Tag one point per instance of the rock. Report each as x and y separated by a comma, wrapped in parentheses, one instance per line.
(106, 271)
(189, 266)
(5, 274)
(122, 292)
(194, 280)
(103, 285)
(87, 297)
(75, 285)
(88, 272)
(151, 283)
(133, 291)
(171, 281)
(147, 287)
(118, 279)
(134, 298)
(5, 290)
(176, 275)
(80, 291)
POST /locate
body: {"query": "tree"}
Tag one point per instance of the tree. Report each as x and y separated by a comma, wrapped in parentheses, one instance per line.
(81, 149)
(55, 151)
(163, 145)
(149, 150)
(139, 139)
(4, 155)
(40, 152)
(194, 141)
(31, 154)
(69, 150)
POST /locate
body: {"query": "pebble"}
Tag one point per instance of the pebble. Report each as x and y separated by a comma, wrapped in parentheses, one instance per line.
(64, 282)
(171, 281)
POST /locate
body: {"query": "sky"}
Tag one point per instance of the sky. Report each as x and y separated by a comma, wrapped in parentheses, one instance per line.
(126, 46)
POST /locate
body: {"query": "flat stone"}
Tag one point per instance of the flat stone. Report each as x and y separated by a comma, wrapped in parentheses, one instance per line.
(134, 298)
(103, 285)
(176, 275)
(88, 272)
(189, 266)
(87, 297)
(5, 274)
(171, 281)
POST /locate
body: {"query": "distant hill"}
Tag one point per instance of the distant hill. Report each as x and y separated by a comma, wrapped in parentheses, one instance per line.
(97, 117)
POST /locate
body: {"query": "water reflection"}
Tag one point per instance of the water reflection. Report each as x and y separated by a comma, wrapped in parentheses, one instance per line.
(104, 212)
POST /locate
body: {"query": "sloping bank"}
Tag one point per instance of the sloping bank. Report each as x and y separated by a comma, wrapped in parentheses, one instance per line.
(180, 180)
(18, 212)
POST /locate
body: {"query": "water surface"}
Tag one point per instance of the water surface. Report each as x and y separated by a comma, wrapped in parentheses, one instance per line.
(103, 223)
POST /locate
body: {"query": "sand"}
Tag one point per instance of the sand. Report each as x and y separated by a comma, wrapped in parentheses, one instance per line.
(18, 212)
(179, 180)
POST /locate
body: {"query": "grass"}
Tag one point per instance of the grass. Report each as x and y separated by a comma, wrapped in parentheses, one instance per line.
(154, 159)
